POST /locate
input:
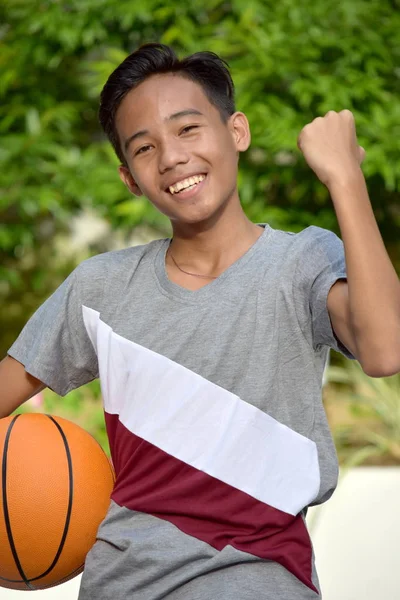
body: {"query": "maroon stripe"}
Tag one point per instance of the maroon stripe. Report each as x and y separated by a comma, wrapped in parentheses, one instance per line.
(151, 481)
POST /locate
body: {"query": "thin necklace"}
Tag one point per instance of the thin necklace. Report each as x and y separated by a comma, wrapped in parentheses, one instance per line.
(187, 272)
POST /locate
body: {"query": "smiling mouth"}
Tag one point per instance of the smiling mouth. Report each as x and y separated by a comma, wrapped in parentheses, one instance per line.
(187, 184)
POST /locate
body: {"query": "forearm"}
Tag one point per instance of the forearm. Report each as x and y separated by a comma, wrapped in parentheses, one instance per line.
(373, 285)
(16, 386)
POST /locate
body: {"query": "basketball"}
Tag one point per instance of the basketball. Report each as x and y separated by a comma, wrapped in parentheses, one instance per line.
(55, 488)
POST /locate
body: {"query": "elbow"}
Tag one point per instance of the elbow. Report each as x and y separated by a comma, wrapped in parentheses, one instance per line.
(379, 356)
(386, 367)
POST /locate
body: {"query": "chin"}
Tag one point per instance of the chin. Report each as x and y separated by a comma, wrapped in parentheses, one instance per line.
(193, 225)
(196, 212)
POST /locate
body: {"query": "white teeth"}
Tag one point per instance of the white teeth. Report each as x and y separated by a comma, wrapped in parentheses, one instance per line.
(186, 183)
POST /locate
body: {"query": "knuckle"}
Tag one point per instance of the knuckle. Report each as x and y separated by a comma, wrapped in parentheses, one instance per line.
(347, 113)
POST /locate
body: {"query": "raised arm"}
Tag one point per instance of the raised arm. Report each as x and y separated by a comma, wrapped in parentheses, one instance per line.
(16, 385)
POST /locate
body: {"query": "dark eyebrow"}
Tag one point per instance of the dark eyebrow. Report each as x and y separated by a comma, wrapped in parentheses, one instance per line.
(134, 137)
(184, 113)
(173, 117)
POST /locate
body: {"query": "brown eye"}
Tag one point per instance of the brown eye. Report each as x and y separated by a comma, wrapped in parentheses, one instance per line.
(188, 128)
(142, 150)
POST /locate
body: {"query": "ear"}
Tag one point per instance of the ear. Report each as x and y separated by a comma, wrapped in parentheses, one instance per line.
(126, 178)
(240, 129)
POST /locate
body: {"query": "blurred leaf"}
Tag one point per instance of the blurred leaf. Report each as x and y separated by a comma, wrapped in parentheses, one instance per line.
(376, 404)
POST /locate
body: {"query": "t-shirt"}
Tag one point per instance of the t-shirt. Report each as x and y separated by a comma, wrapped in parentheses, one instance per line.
(213, 409)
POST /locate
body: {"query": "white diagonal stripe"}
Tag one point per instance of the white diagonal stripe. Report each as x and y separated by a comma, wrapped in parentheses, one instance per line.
(202, 424)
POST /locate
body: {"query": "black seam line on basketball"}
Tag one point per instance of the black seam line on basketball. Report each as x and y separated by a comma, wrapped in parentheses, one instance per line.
(70, 499)
(5, 505)
(65, 578)
(69, 509)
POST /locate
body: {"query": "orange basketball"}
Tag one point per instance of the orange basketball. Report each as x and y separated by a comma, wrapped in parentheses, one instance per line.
(55, 489)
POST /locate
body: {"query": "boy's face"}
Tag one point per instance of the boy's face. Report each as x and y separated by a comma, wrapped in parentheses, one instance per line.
(180, 134)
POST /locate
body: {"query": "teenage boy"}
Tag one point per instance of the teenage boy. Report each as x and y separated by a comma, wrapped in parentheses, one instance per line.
(210, 346)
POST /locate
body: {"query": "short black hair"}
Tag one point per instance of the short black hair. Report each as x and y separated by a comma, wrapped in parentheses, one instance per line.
(205, 68)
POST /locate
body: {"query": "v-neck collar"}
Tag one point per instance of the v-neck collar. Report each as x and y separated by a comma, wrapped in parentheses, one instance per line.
(215, 286)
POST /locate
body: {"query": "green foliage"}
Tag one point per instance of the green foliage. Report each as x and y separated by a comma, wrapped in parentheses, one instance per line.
(375, 402)
(291, 61)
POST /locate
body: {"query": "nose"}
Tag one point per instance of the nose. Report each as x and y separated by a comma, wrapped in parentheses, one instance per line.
(171, 154)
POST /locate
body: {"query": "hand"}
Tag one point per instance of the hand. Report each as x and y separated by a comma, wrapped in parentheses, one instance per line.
(329, 145)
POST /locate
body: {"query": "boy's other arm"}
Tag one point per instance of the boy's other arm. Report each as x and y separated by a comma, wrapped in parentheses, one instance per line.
(16, 386)
(364, 310)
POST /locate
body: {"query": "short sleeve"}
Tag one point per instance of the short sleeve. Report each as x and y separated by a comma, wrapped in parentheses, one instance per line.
(320, 264)
(54, 346)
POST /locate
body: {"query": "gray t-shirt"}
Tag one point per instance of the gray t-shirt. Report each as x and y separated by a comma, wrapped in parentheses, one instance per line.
(213, 408)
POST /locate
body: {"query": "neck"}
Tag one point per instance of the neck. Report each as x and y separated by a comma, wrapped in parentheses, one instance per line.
(213, 249)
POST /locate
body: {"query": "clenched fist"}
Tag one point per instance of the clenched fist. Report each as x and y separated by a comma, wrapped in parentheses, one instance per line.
(329, 145)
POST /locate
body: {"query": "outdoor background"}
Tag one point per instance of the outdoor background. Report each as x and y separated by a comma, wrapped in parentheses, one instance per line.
(60, 196)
